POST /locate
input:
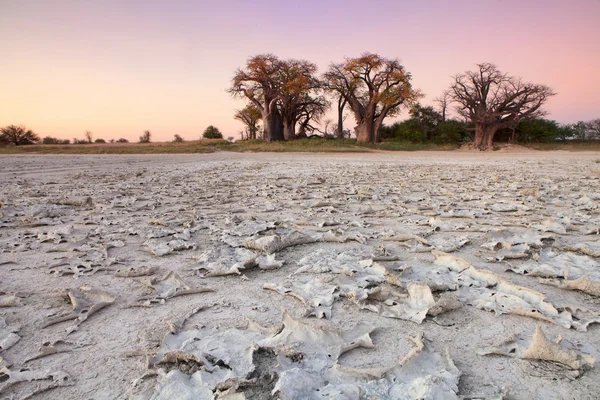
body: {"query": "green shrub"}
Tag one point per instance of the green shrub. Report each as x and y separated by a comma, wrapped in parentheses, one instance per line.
(212, 133)
(449, 131)
(53, 140)
(409, 131)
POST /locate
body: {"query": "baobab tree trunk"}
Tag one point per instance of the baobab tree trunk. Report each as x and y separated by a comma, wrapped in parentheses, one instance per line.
(365, 131)
(289, 129)
(273, 126)
(339, 133)
(484, 136)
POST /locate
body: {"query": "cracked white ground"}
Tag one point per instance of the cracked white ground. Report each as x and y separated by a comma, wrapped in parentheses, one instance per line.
(257, 276)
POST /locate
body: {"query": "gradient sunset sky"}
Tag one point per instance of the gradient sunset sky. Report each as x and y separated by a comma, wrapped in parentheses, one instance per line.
(119, 67)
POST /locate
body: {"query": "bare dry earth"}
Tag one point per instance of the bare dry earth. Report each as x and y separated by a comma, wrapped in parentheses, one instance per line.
(259, 276)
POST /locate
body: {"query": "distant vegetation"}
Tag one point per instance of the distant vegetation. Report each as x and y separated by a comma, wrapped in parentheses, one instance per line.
(287, 94)
(53, 140)
(145, 138)
(287, 101)
(18, 135)
(315, 144)
(212, 133)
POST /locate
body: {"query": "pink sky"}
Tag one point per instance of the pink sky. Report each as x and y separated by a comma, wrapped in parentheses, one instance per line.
(119, 67)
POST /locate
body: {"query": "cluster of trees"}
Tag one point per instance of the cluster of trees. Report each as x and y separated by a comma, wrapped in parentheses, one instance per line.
(545, 130)
(426, 125)
(285, 94)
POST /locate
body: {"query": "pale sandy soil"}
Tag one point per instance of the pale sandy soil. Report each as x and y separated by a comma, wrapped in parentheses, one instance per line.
(94, 215)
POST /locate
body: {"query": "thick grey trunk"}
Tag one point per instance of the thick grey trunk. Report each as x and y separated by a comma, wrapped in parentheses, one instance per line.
(289, 130)
(273, 126)
(365, 131)
(484, 136)
(339, 133)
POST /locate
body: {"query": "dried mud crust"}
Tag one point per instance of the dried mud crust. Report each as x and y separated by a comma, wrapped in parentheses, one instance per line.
(461, 275)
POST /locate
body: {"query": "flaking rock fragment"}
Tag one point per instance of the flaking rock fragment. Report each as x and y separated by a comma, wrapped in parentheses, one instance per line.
(437, 278)
(226, 261)
(269, 262)
(164, 248)
(134, 272)
(54, 347)
(549, 225)
(329, 260)
(160, 233)
(8, 335)
(316, 295)
(332, 237)
(169, 286)
(308, 367)
(176, 323)
(417, 305)
(307, 352)
(205, 359)
(590, 248)
(85, 302)
(571, 271)
(488, 291)
(249, 228)
(403, 237)
(274, 243)
(539, 347)
(512, 252)
(499, 239)
(8, 300)
(421, 374)
(446, 243)
(449, 225)
(45, 380)
(177, 385)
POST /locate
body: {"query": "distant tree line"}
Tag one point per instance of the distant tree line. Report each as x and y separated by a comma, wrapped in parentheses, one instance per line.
(286, 100)
(427, 125)
(289, 98)
(19, 135)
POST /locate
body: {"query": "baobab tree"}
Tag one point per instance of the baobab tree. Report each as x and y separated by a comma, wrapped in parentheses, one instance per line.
(249, 116)
(280, 89)
(493, 100)
(374, 88)
(259, 82)
(298, 93)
